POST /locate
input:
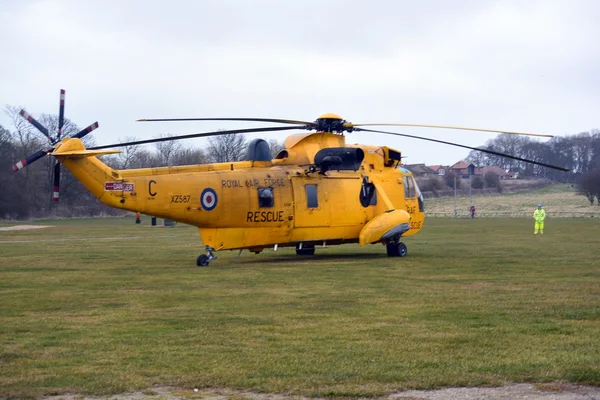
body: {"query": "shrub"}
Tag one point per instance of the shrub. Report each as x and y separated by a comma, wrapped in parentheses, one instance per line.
(492, 180)
(477, 182)
(589, 185)
(432, 184)
(449, 179)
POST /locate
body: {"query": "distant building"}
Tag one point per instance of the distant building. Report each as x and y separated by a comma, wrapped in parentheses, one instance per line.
(420, 170)
(438, 169)
(463, 169)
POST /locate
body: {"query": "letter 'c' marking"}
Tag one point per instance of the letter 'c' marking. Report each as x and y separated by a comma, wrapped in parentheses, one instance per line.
(150, 192)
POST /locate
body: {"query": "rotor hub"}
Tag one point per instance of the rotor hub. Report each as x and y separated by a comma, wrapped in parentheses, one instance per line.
(332, 123)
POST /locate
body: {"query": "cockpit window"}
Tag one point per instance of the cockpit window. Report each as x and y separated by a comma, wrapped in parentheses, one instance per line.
(420, 197)
(409, 187)
(411, 190)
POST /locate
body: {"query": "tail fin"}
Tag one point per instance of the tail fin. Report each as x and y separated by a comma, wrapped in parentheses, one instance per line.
(85, 166)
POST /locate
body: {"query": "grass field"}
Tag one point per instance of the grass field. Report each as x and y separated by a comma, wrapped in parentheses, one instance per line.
(556, 198)
(106, 306)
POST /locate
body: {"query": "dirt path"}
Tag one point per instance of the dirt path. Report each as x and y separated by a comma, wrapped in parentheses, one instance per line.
(552, 391)
(23, 227)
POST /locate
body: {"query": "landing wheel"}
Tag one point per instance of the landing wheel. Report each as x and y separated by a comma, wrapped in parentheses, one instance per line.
(402, 250)
(202, 260)
(305, 250)
(396, 249)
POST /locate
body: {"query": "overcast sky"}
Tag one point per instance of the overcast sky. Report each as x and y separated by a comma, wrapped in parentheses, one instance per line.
(511, 65)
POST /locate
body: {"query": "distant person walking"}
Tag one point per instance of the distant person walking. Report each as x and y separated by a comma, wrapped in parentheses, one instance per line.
(539, 216)
(472, 212)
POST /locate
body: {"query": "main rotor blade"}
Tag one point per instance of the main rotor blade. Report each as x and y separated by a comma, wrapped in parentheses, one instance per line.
(280, 121)
(453, 127)
(466, 147)
(61, 114)
(195, 135)
(33, 122)
(85, 131)
(56, 188)
(32, 158)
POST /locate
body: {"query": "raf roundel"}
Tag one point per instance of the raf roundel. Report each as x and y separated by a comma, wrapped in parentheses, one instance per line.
(208, 198)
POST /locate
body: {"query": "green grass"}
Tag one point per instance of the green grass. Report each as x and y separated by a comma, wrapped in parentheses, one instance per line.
(480, 302)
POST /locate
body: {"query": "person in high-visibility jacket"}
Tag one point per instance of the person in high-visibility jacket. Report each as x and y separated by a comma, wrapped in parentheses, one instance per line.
(539, 216)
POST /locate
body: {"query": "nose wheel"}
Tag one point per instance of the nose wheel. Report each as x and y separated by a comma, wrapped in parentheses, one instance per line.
(396, 249)
(204, 259)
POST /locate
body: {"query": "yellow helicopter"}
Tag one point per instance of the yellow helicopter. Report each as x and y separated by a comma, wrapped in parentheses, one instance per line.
(317, 191)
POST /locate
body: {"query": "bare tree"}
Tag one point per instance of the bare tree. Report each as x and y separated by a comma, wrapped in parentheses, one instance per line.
(477, 158)
(9, 208)
(166, 150)
(127, 154)
(189, 156)
(275, 146)
(589, 186)
(226, 148)
(33, 185)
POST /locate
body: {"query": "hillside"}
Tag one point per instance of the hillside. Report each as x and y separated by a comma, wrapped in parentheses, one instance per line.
(560, 199)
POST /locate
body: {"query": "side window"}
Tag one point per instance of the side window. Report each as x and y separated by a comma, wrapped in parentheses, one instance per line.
(405, 184)
(411, 187)
(312, 201)
(265, 197)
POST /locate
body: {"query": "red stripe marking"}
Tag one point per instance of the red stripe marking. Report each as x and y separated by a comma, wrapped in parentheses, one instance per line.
(23, 165)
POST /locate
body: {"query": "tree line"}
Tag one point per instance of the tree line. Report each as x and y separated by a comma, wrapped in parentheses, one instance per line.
(27, 193)
(579, 153)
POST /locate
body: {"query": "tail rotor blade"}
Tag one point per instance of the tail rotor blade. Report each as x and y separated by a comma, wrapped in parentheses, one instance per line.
(56, 189)
(61, 114)
(32, 158)
(85, 131)
(33, 122)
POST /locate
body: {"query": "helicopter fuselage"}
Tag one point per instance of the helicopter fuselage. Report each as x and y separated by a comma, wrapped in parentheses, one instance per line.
(256, 204)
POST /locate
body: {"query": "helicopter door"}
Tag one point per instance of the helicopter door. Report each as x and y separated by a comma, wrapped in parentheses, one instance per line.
(410, 194)
(310, 203)
(414, 204)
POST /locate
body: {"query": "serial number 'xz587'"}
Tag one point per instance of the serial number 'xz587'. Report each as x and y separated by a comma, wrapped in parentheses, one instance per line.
(180, 198)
